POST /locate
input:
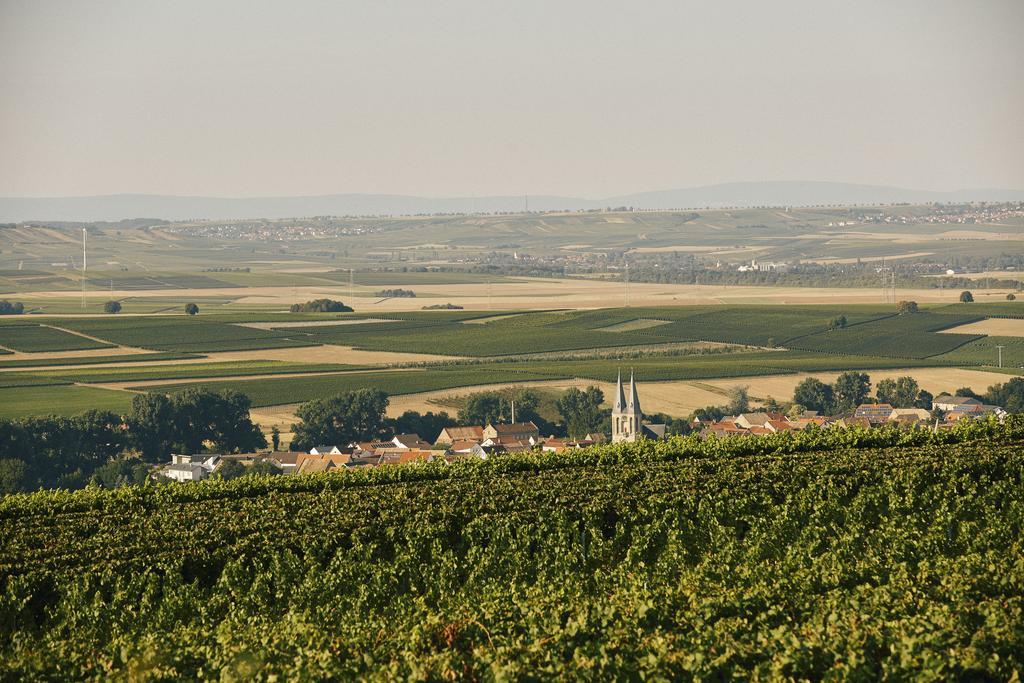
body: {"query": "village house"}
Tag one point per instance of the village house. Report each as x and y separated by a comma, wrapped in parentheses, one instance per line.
(451, 435)
(875, 413)
(325, 450)
(190, 467)
(516, 431)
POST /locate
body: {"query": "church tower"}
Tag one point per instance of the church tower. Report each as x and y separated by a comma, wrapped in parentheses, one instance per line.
(626, 414)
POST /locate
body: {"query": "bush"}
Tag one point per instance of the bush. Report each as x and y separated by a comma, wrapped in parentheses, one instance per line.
(112, 307)
(1011, 297)
(321, 306)
(397, 293)
(966, 297)
(906, 307)
(191, 309)
(8, 308)
(451, 307)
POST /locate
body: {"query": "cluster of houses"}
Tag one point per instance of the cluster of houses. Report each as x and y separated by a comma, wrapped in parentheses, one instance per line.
(953, 408)
(480, 442)
(453, 443)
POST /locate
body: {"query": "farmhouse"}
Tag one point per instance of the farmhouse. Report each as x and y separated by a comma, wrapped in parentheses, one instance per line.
(516, 431)
(875, 413)
(451, 435)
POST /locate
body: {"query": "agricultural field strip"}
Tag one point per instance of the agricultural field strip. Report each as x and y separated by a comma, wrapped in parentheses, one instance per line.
(868, 332)
(179, 333)
(281, 391)
(37, 338)
(66, 399)
(196, 370)
(96, 360)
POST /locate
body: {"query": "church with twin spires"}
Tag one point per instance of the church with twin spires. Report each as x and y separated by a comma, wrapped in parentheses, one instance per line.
(627, 418)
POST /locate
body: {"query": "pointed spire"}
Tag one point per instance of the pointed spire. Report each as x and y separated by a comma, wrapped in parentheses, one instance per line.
(634, 399)
(620, 397)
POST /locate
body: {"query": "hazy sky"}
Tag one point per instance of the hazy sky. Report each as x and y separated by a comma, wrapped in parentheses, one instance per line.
(446, 98)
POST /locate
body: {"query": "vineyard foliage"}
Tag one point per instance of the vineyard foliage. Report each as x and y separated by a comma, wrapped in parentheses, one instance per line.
(887, 555)
(282, 390)
(142, 373)
(181, 333)
(870, 330)
(36, 338)
(96, 360)
(915, 335)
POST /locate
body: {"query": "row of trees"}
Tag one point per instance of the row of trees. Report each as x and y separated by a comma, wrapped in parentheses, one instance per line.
(362, 415)
(852, 388)
(11, 307)
(103, 447)
(114, 306)
(321, 306)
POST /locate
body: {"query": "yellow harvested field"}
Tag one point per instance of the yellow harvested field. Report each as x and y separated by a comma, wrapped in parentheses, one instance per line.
(638, 324)
(994, 274)
(327, 354)
(1000, 327)
(542, 293)
(675, 247)
(891, 257)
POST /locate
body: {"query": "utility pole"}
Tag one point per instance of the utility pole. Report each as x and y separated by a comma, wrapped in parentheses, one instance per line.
(1000, 348)
(83, 268)
(626, 286)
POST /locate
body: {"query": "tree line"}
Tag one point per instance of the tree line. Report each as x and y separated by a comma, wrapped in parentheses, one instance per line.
(102, 447)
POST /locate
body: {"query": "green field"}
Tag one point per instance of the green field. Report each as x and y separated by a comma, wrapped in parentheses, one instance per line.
(182, 334)
(870, 331)
(903, 336)
(30, 401)
(24, 379)
(193, 370)
(568, 331)
(984, 351)
(279, 391)
(36, 338)
(96, 360)
(691, 560)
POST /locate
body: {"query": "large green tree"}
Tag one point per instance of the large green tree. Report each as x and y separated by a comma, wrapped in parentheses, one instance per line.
(850, 389)
(581, 411)
(189, 420)
(813, 394)
(1009, 395)
(151, 426)
(220, 418)
(427, 425)
(493, 406)
(351, 416)
(901, 392)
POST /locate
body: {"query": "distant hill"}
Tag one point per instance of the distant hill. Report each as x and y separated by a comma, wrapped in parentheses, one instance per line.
(790, 193)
